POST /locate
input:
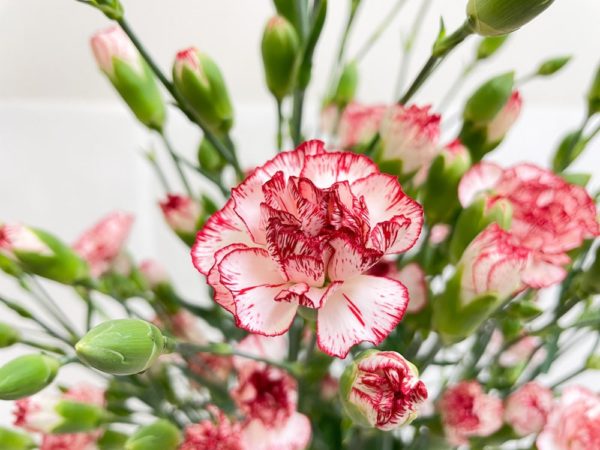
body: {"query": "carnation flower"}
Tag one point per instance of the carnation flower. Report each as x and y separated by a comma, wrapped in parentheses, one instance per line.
(521, 351)
(154, 273)
(294, 434)
(218, 434)
(468, 411)
(181, 213)
(19, 238)
(550, 216)
(359, 124)
(573, 423)
(111, 44)
(526, 409)
(101, 245)
(75, 441)
(302, 230)
(505, 119)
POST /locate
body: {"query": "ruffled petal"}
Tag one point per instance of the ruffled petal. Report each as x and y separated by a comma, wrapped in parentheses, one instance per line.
(540, 274)
(248, 268)
(326, 169)
(365, 308)
(478, 179)
(349, 258)
(294, 434)
(222, 229)
(222, 295)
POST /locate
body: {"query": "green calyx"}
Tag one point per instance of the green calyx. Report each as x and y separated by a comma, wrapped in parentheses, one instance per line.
(280, 48)
(122, 347)
(78, 417)
(14, 440)
(8, 335)
(26, 375)
(499, 17)
(160, 435)
(113, 9)
(489, 46)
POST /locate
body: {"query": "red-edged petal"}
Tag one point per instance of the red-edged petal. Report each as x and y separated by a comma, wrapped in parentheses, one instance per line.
(304, 269)
(480, 178)
(222, 295)
(349, 258)
(244, 269)
(247, 198)
(540, 274)
(413, 277)
(326, 169)
(222, 229)
(365, 308)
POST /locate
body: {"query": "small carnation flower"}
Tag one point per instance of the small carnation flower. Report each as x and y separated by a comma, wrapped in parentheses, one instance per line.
(181, 213)
(218, 434)
(527, 409)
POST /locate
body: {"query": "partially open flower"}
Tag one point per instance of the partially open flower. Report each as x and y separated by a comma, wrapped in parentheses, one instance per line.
(301, 231)
(550, 216)
(505, 119)
(293, 434)
(154, 273)
(468, 411)
(527, 409)
(382, 390)
(182, 213)
(358, 124)
(573, 423)
(102, 244)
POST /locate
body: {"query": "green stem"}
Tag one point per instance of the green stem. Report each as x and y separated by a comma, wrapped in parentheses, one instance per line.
(298, 107)
(457, 84)
(176, 163)
(206, 174)
(162, 178)
(44, 347)
(568, 377)
(279, 125)
(385, 23)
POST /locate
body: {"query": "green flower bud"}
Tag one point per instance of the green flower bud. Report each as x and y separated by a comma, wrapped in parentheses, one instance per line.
(288, 9)
(209, 158)
(77, 417)
(280, 47)
(131, 76)
(111, 8)
(14, 440)
(551, 66)
(498, 17)
(112, 440)
(381, 390)
(160, 435)
(594, 95)
(26, 375)
(440, 200)
(199, 81)
(593, 362)
(8, 335)
(347, 84)
(122, 347)
(489, 46)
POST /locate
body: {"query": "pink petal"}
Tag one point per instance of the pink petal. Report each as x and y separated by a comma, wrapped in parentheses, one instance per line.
(365, 308)
(540, 274)
(247, 268)
(222, 229)
(349, 258)
(326, 169)
(413, 277)
(294, 434)
(480, 178)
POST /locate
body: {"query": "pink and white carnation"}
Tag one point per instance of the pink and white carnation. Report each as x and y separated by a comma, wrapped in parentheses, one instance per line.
(359, 124)
(101, 245)
(293, 434)
(573, 423)
(492, 264)
(181, 213)
(217, 434)
(411, 134)
(111, 44)
(15, 237)
(505, 119)
(468, 411)
(412, 276)
(550, 216)
(75, 441)
(302, 231)
(527, 409)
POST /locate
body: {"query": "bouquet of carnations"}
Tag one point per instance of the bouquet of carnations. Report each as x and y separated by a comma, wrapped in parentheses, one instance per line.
(374, 289)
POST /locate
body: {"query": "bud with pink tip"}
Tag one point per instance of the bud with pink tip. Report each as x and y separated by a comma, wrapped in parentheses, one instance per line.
(153, 272)
(382, 390)
(467, 411)
(527, 409)
(183, 214)
(131, 76)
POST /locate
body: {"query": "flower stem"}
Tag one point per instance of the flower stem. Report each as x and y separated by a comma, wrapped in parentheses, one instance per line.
(457, 84)
(279, 125)
(44, 347)
(176, 163)
(151, 157)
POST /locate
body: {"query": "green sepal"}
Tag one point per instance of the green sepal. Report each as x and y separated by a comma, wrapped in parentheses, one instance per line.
(8, 335)
(526, 310)
(78, 417)
(552, 66)
(160, 435)
(499, 17)
(209, 158)
(489, 99)
(113, 9)
(112, 440)
(10, 267)
(578, 179)
(346, 86)
(489, 46)
(15, 440)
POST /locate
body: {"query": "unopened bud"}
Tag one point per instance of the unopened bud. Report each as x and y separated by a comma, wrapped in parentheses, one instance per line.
(26, 375)
(199, 81)
(131, 76)
(8, 335)
(489, 46)
(122, 347)
(14, 440)
(498, 17)
(111, 8)
(382, 390)
(209, 158)
(182, 214)
(160, 435)
(347, 84)
(280, 46)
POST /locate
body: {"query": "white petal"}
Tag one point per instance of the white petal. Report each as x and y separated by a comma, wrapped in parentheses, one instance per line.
(326, 169)
(480, 178)
(294, 434)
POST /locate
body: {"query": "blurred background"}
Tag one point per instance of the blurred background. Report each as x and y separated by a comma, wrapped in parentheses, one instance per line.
(70, 151)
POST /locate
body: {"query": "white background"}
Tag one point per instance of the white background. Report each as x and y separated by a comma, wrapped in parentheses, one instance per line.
(70, 152)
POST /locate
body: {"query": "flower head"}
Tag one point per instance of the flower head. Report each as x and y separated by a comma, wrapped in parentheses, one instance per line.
(358, 124)
(15, 237)
(112, 43)
(293, 434)
(154, 273)
(102, 244)
(527, 409)
(499, 126)
(181, 213)
(573, 423)
(301, 231)
(550, 216)
(75, 441)
(382, 390)
(468, 411)
(218, 434)
(521, 351)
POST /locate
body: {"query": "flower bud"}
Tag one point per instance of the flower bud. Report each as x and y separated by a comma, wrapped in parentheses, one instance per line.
(440, 201)
(498, 17)
(40, 253)
(122, 347)
(26, 375)
(8, 335)
(111, 8)
(527, 409)
(489, 46)
(183, 215)
(594, 95)
(382, 390)
(552, 66)
(346, 87)
(131, 76)
(209, 158)
(280, 47)
(112, 440)
(13, 440)
(199, 81)
(288, 9)
(160, 435)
